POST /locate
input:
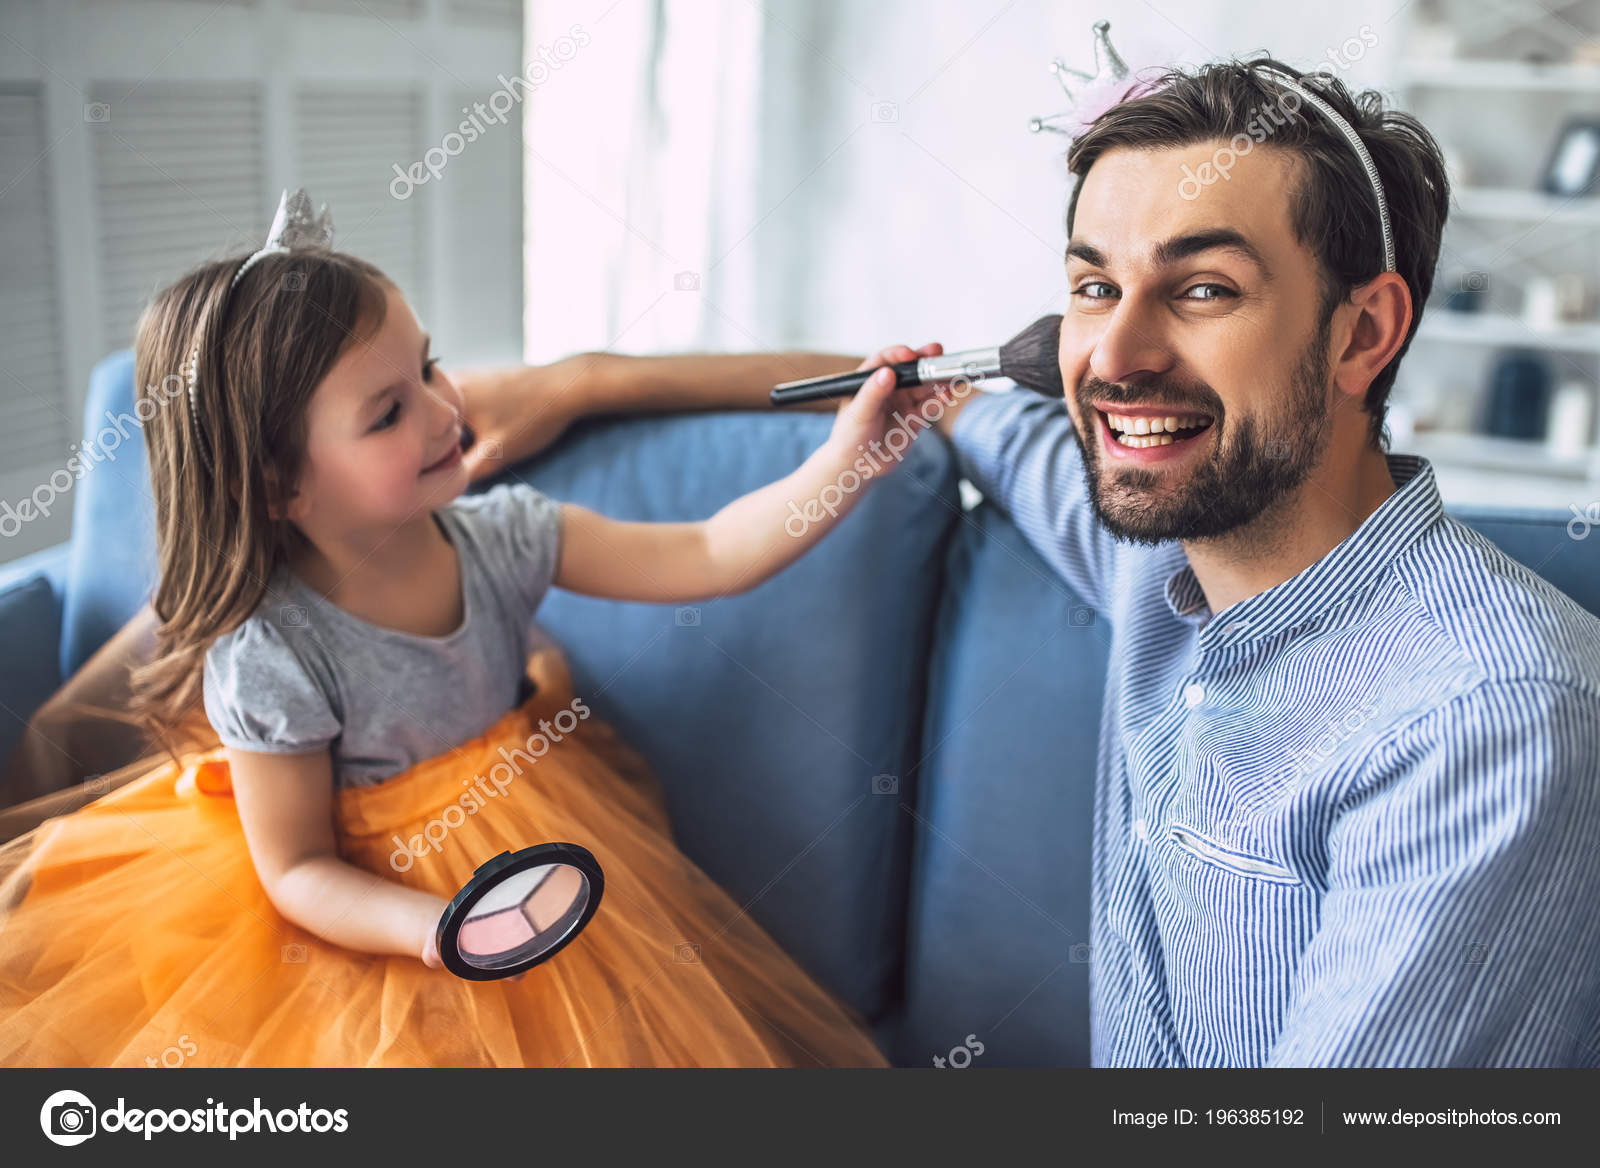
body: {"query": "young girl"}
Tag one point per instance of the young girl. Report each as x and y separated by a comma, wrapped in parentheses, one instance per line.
(358, 633)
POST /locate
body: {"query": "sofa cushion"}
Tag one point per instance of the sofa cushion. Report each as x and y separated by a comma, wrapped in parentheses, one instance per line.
(112, 570)
(30, 614)
(998, 935)
(783, 722)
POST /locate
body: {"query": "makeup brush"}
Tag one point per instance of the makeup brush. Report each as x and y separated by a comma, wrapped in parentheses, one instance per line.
(1029, 359)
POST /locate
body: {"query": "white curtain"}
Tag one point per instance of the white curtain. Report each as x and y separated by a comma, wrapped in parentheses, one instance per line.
(641, 171)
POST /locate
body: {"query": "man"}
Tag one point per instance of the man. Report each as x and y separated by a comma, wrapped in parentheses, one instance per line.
(1348, 793)
(1348, 789)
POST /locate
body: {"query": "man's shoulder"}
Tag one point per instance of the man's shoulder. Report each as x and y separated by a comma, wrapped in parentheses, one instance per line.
(1504, 619)
(1514, 663)
(1456, 644)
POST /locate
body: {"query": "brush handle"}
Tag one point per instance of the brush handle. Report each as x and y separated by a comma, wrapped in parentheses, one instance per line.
(838, 384)
(972, 364)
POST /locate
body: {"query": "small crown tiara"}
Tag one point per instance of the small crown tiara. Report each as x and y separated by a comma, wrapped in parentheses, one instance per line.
(1109, 68)
(293, 226)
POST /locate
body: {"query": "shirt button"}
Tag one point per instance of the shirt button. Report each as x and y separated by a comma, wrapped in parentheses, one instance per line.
(1236, 627)
(1193, 694)
(1140, 830)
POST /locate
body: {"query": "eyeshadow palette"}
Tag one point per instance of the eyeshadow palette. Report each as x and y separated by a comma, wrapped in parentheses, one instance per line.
(519, 909)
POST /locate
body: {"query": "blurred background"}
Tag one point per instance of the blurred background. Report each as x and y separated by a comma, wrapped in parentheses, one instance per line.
(551, 176)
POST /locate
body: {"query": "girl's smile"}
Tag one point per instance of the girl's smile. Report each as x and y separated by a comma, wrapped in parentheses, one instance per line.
(451, 458)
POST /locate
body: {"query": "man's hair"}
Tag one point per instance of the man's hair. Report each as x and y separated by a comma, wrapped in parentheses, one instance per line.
(1334, 212)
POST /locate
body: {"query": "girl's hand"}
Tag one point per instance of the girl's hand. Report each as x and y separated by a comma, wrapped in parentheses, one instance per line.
(430, 955)
(870, 415)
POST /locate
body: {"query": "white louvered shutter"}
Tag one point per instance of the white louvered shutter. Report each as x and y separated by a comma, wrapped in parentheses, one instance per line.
(347, 140)
(507, 12)
(178, 179)
(38, 421)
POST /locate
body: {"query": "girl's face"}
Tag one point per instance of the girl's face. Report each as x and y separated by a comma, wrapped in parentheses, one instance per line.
(383, 436)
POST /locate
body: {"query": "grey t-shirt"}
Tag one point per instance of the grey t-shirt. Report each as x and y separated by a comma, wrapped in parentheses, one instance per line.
(302, 674)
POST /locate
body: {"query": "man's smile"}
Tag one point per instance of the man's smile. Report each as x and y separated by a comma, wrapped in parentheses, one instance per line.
(1149, 434)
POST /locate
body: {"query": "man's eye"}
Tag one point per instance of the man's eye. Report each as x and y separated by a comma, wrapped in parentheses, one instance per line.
(1084, 290)
(427, 368)
(389, 418)
(1217, 292)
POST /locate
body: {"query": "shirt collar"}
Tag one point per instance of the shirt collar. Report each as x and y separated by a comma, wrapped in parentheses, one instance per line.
(1356, 561)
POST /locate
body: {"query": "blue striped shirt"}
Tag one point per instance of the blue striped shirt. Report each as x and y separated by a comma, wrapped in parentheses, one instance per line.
(1355, 819)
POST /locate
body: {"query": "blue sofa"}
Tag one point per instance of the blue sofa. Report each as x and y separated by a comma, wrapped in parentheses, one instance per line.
(885, 752)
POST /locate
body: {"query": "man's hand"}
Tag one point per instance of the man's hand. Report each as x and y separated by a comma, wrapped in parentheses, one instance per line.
(516, 412)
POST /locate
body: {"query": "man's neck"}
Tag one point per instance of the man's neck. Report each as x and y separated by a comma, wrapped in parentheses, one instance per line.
(1329, 506)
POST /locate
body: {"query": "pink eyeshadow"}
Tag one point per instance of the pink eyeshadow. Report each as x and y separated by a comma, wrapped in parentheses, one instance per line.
(494, 933)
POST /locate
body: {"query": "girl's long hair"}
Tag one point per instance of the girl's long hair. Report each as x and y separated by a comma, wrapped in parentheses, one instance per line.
(264, 346)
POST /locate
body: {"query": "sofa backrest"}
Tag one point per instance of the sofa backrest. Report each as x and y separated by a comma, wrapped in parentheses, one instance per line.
(111, 568)
(998, 933)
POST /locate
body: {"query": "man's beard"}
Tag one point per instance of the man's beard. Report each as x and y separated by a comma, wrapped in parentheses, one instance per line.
(1257, 466)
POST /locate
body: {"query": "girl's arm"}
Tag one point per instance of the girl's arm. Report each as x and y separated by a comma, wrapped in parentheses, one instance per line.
(285, 806)
(757, 535)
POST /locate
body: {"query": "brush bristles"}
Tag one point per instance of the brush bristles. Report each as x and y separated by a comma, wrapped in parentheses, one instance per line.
(1031, 359)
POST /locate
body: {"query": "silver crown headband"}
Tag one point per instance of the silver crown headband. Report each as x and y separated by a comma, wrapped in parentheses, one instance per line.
(293, 226)
(1110, 68)
(1358, 146)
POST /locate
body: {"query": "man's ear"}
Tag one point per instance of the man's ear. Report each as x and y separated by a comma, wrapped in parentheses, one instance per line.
(1379, 312)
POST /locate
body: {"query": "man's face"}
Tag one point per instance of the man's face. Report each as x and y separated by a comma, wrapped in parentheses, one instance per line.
(1202, 312)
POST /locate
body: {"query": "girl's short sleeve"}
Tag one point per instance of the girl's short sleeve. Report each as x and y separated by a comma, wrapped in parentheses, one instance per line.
(519, 530)
(259, 695)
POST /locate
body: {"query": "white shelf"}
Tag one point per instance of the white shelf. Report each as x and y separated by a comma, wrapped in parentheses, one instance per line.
(1470, 487)
(1456, 74)
(1478, 470)
(1527, 206)
(1487, 452)
(1487, 328)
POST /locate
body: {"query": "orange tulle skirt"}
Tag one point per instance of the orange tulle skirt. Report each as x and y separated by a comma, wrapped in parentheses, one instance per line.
(135, 932)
